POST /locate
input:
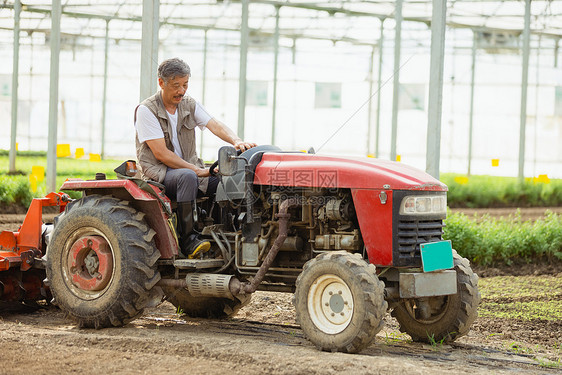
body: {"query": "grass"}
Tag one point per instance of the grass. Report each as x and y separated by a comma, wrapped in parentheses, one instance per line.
(521, 297)
(435, 345)
(492, 241)
(492, 191)
(548, 363)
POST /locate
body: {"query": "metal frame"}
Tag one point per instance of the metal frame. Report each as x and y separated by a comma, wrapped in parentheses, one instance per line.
(524, 83)
(151, 22)
(435, 102)
(149, 48)
(15, 75)
(53, 96)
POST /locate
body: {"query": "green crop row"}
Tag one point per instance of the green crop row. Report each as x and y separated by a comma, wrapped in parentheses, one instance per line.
(67, 167)
(492, 241)
(24, 153)
(18, 188)
(491, 191)
(472, 192)
(15, 189)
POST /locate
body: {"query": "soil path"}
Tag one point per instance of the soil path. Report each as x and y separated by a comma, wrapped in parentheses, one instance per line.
(264, 338)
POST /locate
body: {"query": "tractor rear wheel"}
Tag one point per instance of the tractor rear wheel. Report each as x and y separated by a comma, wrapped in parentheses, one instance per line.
(101, 262)
(205, 307)
(448, 317)
(339, 302)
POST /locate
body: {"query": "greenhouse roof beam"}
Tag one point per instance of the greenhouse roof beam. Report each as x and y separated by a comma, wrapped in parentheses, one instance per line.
(550, 31)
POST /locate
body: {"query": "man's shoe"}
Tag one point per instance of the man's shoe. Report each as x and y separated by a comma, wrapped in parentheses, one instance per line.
(196, 247)
(190, 243)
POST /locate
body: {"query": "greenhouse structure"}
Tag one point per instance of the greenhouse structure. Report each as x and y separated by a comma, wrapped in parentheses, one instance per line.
(471, 86)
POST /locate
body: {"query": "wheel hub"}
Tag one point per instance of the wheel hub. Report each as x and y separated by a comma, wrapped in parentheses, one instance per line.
(330, 304)
(90, 263)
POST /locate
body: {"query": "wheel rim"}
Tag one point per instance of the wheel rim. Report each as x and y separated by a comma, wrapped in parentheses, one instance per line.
(88, 263)
(437, 307)
(330, 304)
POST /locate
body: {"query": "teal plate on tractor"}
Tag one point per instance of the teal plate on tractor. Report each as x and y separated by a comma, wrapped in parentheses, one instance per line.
(437, 256)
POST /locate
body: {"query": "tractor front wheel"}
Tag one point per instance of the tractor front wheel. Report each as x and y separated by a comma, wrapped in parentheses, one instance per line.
(443, 318)
(339, 302)
(101, 262)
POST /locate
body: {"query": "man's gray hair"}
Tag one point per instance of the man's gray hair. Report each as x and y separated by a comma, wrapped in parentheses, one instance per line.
(172, 68)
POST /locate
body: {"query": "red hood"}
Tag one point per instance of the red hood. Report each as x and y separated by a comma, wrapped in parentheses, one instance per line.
(299, 169)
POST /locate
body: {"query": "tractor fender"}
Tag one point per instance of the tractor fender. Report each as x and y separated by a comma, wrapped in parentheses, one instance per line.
(154, 208)
(373, 208)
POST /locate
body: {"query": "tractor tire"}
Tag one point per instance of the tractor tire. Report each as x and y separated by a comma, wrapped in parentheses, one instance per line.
(451, 316)
(205, 307)
(101, 262)
(339, 302)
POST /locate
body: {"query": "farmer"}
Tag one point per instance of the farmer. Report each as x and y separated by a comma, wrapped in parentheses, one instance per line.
(165, 142)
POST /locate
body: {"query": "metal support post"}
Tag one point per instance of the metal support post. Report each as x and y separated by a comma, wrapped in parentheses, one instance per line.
(53, 96)
(205, 49)
(15, 75)
(104, 100)
(435, 100)
(556, 52)
(471, 115)
(370, 107)
(149, 47)
(537, 88)
(275, 67)
(396, 85)
(204, 88)
(244, 35)
(379, 88)
(524, 82)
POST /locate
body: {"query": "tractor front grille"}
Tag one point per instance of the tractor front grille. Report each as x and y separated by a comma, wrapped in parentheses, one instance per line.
(411, 233)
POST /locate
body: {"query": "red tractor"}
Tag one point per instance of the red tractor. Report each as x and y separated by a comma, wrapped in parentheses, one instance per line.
(352, 238)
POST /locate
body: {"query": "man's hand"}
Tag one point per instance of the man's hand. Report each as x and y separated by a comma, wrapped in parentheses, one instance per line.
(243, 146)
(223, 132)
(203, 172)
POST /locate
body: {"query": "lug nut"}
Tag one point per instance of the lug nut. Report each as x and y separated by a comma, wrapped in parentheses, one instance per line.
(333, 314)
(339, 292)
(342, 314)
(330, 293)
(327, 304)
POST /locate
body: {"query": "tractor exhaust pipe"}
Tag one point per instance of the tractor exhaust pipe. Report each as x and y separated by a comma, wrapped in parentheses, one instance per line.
(283, 216)
(228, 286)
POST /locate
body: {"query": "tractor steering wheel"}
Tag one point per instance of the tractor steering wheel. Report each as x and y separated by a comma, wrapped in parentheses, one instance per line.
(212, 168)
(216, 163)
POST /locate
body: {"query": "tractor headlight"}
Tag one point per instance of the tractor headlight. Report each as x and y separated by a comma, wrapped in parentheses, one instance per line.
(423, 205)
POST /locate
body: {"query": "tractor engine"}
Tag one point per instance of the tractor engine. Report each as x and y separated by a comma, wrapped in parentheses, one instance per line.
(324, 220)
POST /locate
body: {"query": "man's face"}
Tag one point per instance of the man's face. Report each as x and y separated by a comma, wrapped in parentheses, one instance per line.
(173, 90)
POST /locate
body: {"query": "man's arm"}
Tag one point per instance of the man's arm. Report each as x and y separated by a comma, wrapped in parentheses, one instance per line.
(226, 134)
(161, 152)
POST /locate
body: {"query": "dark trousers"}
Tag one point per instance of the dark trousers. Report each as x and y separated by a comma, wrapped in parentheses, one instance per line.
(182, 185)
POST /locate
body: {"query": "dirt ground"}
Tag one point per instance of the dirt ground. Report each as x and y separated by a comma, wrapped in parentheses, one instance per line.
(264, 338)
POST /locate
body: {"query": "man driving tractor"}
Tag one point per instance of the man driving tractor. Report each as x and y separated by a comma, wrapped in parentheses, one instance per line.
(166, 147)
